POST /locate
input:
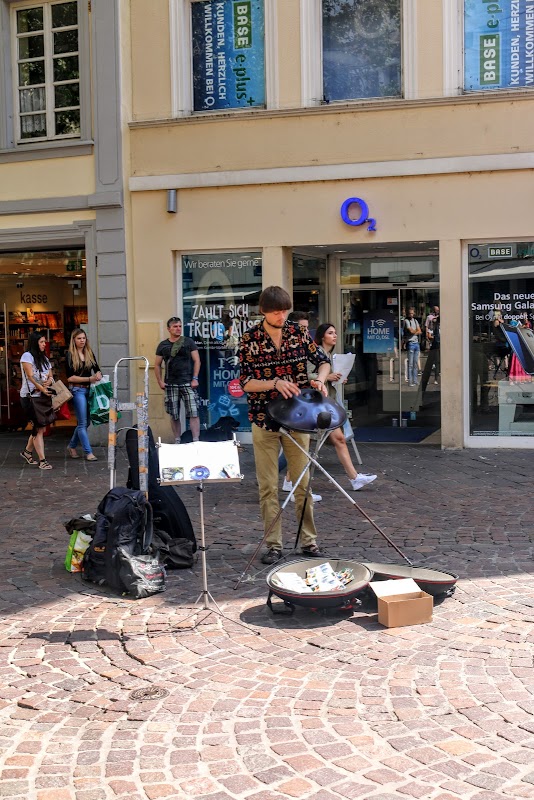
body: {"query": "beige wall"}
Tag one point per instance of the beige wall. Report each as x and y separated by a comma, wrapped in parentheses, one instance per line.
(51, 177)
(332, 136)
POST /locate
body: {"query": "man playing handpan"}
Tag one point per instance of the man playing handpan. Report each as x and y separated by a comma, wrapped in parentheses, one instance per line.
(273, 358)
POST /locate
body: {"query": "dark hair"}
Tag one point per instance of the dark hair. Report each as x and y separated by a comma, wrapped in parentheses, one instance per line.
(171, 320)
(297, 316)
(274, 298)
(40, 358)
(320, 332)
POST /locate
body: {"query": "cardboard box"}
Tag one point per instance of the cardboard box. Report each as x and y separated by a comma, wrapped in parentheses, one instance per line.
(402, 602)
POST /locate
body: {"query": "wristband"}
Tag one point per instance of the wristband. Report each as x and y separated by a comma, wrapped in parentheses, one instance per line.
(194, 378)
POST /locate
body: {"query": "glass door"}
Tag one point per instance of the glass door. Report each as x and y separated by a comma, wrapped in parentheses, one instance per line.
(393, 392)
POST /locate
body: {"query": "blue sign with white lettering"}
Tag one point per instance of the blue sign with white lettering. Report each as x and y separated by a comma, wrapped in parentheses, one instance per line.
(379, 331)
(228, 54)
(498, 44)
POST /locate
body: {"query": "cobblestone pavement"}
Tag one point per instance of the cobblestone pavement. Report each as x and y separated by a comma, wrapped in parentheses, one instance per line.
(320, 705)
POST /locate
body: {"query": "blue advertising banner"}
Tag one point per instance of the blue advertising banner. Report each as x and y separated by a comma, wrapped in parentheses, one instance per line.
(498, 44)
(379, 331)
(220, 296)
(228, 54)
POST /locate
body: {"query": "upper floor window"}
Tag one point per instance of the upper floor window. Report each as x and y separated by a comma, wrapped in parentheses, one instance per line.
(228, 54)
(46, 70)
(498, 45)
(361, 49)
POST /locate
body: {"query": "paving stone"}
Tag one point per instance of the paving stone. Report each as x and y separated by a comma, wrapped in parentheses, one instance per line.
(320, 706)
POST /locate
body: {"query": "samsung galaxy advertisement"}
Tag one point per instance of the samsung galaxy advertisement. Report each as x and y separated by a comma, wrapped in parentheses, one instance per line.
(228, 54)
(499, 44)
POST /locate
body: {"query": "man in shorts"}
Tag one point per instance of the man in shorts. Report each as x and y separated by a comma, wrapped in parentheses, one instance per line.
(182, 368)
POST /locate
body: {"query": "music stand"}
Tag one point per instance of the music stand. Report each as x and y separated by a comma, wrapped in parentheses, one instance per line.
(186, 464)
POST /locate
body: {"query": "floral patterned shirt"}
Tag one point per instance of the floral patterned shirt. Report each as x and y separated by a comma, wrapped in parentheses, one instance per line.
(260, 360)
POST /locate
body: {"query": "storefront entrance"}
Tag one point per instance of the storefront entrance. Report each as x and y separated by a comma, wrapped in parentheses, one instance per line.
(393, 392)
(39, 290)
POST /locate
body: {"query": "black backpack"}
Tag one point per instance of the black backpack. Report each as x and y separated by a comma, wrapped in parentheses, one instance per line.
(119, 554)
(171, 519)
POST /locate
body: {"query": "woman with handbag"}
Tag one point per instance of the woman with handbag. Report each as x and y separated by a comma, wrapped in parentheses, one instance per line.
(82, 371)
(36, 397)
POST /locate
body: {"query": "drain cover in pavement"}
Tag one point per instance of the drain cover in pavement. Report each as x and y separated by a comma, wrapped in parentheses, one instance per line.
(150, 693)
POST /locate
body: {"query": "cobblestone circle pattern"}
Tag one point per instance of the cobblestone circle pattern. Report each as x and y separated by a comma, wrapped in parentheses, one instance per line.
(103, 697)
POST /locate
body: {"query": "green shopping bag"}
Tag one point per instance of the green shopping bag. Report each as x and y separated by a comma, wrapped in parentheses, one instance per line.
(78, 543)
(99, 395)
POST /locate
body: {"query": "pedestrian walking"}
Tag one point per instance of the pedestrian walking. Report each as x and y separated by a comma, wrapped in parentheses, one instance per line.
(326, 340)
(36, 371)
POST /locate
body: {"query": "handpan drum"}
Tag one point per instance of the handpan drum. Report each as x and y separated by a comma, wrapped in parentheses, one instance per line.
(308, 412)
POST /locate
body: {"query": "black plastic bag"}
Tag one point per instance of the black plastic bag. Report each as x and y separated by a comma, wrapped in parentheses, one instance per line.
(141, 575)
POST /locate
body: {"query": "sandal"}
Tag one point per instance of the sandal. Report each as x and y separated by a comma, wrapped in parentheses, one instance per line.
(312, 550)
(27, 456)
(43, 464)
(91, 457)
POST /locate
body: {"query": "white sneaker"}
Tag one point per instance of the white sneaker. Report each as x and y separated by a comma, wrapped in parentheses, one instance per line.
(287, 486)
(315, 497)
(361, 480)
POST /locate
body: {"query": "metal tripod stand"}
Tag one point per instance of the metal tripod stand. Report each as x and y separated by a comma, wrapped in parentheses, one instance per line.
(209, 605)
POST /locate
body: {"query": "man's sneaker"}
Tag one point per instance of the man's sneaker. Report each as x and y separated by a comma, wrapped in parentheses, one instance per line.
(315, 497)
(287, 485)
(361, 480)
(271, 556)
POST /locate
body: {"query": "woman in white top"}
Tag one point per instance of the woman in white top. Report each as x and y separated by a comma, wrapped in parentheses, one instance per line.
(326, 339)
(36, 379)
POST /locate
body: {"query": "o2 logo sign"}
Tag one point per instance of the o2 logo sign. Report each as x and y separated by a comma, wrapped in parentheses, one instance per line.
(364, 213)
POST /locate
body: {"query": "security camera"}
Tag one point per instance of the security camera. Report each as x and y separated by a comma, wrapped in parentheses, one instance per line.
(20, 285)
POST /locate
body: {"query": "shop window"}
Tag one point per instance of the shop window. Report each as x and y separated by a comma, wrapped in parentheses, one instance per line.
(220, 302)
(309, 288)
(361, 49)
(46, 70)
(501, 318)
(228, 54)
(498, 45)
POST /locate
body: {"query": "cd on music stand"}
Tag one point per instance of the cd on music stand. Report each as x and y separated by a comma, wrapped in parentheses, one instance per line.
(199, 463)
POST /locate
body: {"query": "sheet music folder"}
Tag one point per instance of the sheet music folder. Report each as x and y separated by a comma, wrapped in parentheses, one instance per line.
(199, 462)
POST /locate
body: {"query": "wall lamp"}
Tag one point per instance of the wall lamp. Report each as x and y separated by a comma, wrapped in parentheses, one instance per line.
(172, 201)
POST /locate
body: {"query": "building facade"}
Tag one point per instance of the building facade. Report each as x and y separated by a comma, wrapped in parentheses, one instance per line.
(63, 145)
(370, 157)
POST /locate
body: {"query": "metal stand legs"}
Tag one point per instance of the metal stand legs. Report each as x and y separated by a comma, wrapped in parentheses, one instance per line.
(205, 595)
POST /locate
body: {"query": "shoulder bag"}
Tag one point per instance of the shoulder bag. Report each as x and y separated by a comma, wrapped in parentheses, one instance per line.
(42, 406)
(62, 394)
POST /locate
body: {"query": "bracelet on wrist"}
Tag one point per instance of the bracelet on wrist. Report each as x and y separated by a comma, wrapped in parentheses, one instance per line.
(275, 382)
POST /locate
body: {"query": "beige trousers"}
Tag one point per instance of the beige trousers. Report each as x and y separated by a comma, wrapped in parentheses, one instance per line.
(266, 448)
